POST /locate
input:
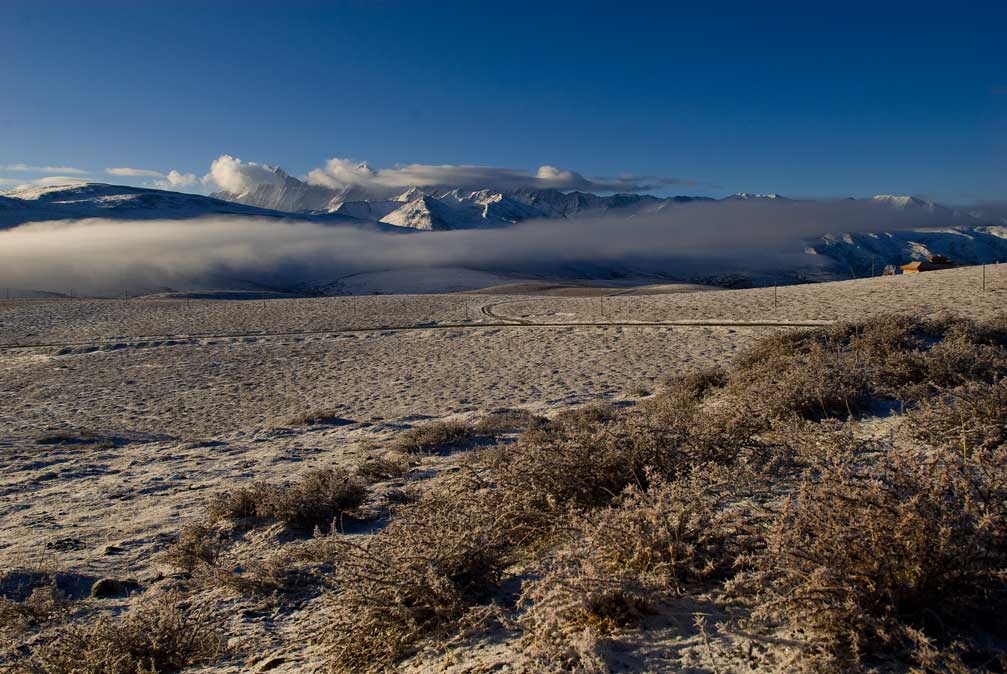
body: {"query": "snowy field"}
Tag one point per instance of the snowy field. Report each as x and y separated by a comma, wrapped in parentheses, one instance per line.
(175, 399)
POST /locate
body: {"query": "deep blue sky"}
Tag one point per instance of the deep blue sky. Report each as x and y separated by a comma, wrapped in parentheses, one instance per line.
(789, 98)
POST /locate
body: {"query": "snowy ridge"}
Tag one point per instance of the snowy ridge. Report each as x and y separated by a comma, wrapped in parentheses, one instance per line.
(121, 202)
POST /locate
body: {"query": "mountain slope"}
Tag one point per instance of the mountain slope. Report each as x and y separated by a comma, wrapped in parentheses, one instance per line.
(121, 202)
(863, 253)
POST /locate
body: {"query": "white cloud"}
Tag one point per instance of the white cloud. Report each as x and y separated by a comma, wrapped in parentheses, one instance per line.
(703, 238)
(175, 180)
(341, 175)
(50, 181)
(134, 172)
(26, 168)
(230, 174)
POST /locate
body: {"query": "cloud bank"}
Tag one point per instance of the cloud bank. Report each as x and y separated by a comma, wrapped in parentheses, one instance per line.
(27, 168)
(134, 172)
(105, 257)
(340, 176)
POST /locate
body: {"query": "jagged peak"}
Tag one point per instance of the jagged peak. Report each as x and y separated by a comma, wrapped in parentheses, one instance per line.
(412, 194)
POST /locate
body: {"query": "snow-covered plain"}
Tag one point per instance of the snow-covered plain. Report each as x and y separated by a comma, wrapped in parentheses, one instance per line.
(189, 397)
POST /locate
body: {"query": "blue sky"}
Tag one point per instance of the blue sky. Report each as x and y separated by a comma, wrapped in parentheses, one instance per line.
(759, 97)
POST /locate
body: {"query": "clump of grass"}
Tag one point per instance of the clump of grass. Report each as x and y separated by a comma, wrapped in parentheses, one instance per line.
(435, 436)
(431, 570)
(162, 634)
(889, 557)
(315, 500)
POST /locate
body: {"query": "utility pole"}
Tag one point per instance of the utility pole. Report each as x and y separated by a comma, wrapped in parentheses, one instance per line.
(984, 278)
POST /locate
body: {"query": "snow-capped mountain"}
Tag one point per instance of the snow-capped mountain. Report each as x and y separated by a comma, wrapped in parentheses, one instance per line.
(120, 202)
(907, 228)
(283, 193)
(861, 254)
(747, 196)
(435, 209)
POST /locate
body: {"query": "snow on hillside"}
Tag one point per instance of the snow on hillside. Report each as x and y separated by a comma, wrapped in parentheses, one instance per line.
(119, 202)
(858, 254)
(648, 233)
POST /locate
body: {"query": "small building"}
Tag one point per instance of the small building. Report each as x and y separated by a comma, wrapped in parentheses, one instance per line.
(933, 263)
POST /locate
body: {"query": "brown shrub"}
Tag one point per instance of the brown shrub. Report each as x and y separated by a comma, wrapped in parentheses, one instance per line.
(317, 418)
(820, 381)
(838, 370)
(197, 544)
(696, 384)
(315, 500)
(435, 436)
(589, 459)
(868, 558)
(429, 571)
(380, 469)
(279, 574)
(967, 419)
(623, 561)
(161, 634)
(44, 605)
(507, 421)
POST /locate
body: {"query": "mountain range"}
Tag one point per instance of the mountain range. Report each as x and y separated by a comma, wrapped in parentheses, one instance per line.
(925, 228)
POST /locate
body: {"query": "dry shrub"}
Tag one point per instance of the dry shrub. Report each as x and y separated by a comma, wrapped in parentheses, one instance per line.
(202, 551)
(639, 390)
(838, 370)
(696, 384)
(429, 571)
(435, 436)
(279, 574)
(818, 382)
(315, 500)
(969, 418)
(587, 416)
(893, 556)
(623, 561)
(507, 421)
(317, 418)
(161, 634)
(81, 438)
(44, 605)
(587, 460)
(197, 544)
(388, 467)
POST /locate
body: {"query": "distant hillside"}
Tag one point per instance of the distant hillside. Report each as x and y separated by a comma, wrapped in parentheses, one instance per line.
(120, 202)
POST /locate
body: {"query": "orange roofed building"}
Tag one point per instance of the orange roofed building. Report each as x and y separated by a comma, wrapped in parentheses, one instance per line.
(933, 263)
